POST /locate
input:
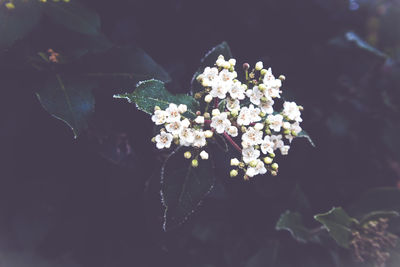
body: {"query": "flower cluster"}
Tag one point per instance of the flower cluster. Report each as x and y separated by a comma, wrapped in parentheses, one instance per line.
(243, 113)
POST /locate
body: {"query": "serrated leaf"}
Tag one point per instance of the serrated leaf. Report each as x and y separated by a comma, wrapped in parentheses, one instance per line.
(18, 22)
(183, 187)
(209, 60)
(152, 93)
(293, 222)
(338, 224)
(123, 67)
(74, 16)
(304, 134)
(68, 99)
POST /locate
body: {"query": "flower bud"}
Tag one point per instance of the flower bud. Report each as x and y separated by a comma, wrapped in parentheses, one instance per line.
(274, 173)
(282, 77)
(182, 108)
(215, 112)
(268, 131)
(199, 78)
(208, 134)
(253, 163)
(243, 129)
(208, 98)
(263, 72)
(286, 132)
(204, 155)
(198, 113)
(220, 62)
(262, 114)
(176, 141)
(246, 66)
(259, 65)
(241, 165)
(206, 115)
(10, 5)
(275, 166)
(262, 87)
(244, 86)
(197, 95)
(226, 65)
(195, 163)
(301, 108)
(267, 160)
(246, 177)
(153, 140)
(221, 57)
(294, 133)
(233, 173)
(264, 99)
(272, 155)
(157, 108)
(199, 120)
(234, 113)
(232, 61)
(235, 162)
(187, 155)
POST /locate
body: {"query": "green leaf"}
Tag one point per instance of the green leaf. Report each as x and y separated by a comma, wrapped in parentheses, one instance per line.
(18, 22)
(69, 100)
(209, 61)
(293, 222)
(304, 134)
(123, 67)
(183, 187)
(151, 93)
(338, 223)
(74, 16)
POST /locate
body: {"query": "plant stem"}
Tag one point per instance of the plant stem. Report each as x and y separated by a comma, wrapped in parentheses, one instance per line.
(230, 140)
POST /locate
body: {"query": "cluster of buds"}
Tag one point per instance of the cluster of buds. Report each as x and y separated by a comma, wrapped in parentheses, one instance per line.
(242, 112)
(372, 242)
(10, 3)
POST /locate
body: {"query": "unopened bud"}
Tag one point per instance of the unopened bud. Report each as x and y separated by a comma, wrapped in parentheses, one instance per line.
(268, 131)
(264, 99)
(282, 77)
(10, 5)
(220, 62)
(195, 163)
(206, 115)
(226, 65)
(153, 140)
(275, 166)
(294, 133)
(215, 112)
(208, 98)
(203, 155)
(301, 108)
(259, 65)
(234, 113)
(243, 129)
(286, 132)
(267, 160)
(187, 155)
(208, 134)
(253, 163)
(157, 108)
(232, 61)
(262, 87)
(244, 86)
(246, 177)
(221, 57)
(274, 173)
(272, 155)
(241, 165)
(199, 120)
(246, 66)
(176, 141)
(235, 162)
(262, 114)
(233, 173)
(263, 72)
(197, 95)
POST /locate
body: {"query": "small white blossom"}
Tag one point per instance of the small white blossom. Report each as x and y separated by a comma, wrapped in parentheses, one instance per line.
(173, 113)
(174, 127)
(215, 112)
(208, 98)
(259, 65)
(267, 106)
(237, 91)
(163, 140)
(199, 120)
(258, 169)
(275, 122)
(203, 155)
(235, 162)
(284, 150)
(292, 111)
(244, 117)
(185, 123)
(252, 137)
(254, 113)
(267, 146)
(277, 141)
(186, 136)
(182, 108)
(219, 89)
(249, 154)
(268, 77)
(255, 95)
(232, 131)
(232, 104)
(296, 127)
(259, 126)
(232, 62)
(220, 122)
(226, 75)
(199, 139)
(159, 117)
(286, 125)
(208, 76)
(208, 134)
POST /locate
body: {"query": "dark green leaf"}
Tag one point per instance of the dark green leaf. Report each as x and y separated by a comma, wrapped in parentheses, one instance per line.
(74, 16)
(152, 93)
(293, 222)
(183, 187)
(69, 100)
(304, 134)
(209, 60)
(16, 23)
(338, 224)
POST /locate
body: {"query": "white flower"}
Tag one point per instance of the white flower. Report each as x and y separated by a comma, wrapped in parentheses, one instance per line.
(232, 104)
(237, 91)
(219, 89)
(232, 131)
(252, 137)
(185, 123)
(255, 95)
(244, 117)
(173, 113)
(249, 154)
(186, 136)
(199, 120)
(272, 92)
(275, 122)
(220, 122)
(295, 127)
(292, 111)
(208, 134)
(215, 112)
(277, 141)
(226, 75)
(232, 62)
(203, 155)
(174, 127)
(199, 139)
(267, 106)
(259, 65)
(220, 61)
(259, 126)
(254, 113)
(286, 125)
(258, 169)
(284, 150)
(235, 162)
(208, 76)
(267, 146)
(182, 108)
(163, 140)
(268, 77)
(208, 98)
(159, 117)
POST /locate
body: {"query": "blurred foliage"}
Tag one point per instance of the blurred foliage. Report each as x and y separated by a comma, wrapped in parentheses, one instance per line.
(94, 201)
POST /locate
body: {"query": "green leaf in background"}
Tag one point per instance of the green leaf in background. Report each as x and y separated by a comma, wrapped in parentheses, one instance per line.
(209, 60)
(338, 224)
(18, 22)
(183, 187)
(68, 99)
(151, 93)
(304, 134)
(73, 16)
(123, 67)
(293, 222)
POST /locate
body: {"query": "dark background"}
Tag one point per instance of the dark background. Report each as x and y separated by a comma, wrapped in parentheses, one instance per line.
(66, 202)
